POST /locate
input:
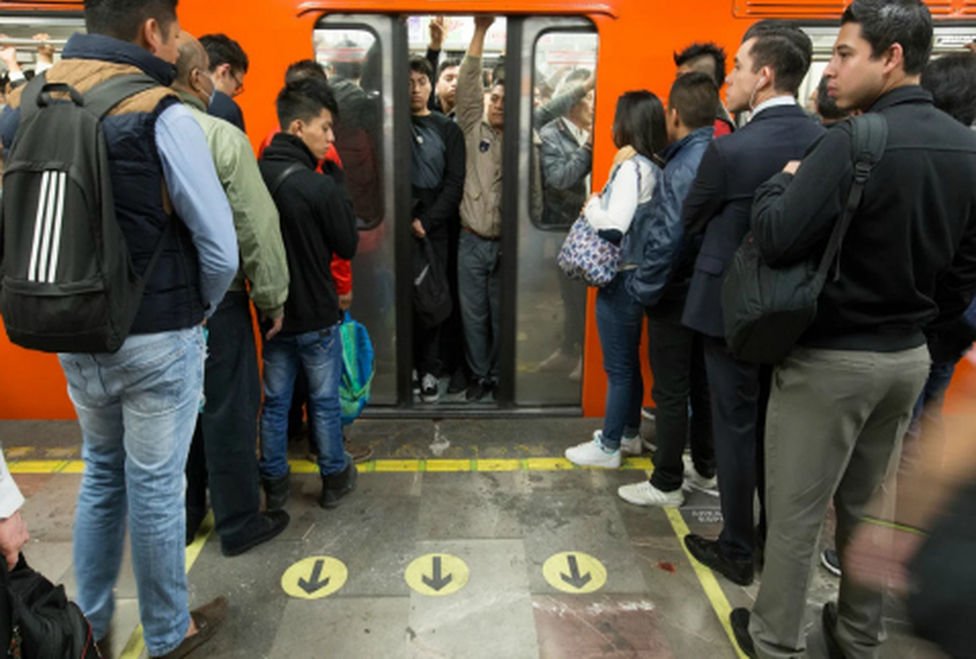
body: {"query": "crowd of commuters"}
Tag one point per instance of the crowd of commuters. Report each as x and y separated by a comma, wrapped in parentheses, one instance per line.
(685, 189)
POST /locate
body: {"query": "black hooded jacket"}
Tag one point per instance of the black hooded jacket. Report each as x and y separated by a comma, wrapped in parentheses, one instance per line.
(317, 221)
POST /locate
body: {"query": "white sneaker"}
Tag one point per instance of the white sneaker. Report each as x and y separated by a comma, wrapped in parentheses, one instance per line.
(695, 481)
(430, 388)
(632, 445)
(645, 494)
(594, 454)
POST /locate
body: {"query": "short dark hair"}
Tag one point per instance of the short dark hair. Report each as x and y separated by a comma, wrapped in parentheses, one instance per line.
(887, 22)
(305, 99)
(695, 97)
(447, 64)
(639, 122)
(826, 106)
(123, 18)
(951, 79)
(699, 50)
(305, 68)
(783, 47)
(421, 65)
(221, 49)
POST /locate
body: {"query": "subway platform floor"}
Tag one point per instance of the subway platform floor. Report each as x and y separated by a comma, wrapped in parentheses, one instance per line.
(465, 538)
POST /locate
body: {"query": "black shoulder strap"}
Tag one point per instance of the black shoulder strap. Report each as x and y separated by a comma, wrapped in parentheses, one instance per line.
(869, 136)
(293, 168)
(28, 99)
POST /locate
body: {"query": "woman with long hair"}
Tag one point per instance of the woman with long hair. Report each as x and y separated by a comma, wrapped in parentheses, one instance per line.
(639, 134)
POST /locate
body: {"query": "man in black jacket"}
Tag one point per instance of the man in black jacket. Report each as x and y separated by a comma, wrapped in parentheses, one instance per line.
(841, 400)
(316, 221)
(769, 67)
(437, 183)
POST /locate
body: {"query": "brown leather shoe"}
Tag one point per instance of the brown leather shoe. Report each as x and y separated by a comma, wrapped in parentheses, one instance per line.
(207, 618)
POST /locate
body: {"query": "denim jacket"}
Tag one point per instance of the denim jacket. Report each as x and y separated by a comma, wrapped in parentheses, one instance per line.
(659, 242)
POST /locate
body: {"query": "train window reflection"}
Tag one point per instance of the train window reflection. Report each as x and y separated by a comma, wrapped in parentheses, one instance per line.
(352, 60)
(552, 307)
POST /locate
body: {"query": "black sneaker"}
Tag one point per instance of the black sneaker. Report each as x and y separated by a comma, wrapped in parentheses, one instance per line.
(430, 389)
(739, 620)
(336, 486)
(709, 553)
(831, 561)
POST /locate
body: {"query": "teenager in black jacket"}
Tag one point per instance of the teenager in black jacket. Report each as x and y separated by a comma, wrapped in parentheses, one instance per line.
(316, 221)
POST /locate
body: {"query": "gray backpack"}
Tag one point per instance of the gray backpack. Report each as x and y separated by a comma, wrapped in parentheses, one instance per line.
(67, 279)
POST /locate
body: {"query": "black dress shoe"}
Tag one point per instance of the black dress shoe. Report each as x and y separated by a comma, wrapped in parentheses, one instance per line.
(829, 620)
(710, 554)
(739, 618)
(262, 528)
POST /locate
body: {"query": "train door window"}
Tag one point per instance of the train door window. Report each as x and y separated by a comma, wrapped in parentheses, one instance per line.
(355, 51)
(551, 308)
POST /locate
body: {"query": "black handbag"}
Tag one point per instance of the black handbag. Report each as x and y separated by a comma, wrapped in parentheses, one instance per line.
(766, 310)
(37, 621)
(431, 293)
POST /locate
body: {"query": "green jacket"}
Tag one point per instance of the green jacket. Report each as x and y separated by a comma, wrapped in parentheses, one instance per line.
(263, 260)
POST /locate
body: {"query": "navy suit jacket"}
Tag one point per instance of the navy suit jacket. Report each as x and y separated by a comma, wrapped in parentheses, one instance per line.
(720, 200)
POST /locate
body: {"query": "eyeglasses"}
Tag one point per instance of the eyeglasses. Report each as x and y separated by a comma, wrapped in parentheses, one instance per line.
(238, 82)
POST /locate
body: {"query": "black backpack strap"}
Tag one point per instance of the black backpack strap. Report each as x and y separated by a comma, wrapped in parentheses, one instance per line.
(100, 99)
(293, 168)
(869, 136)
(32, 91)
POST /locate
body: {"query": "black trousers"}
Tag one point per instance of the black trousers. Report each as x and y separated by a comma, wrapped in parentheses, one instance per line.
(223, 453)
(677, 359)
(738, 415)
(427, 341)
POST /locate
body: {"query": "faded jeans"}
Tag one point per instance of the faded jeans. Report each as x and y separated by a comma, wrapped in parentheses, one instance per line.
(137, 409)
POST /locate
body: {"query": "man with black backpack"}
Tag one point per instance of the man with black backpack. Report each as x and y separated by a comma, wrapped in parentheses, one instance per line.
(842, 398)
(134, 347)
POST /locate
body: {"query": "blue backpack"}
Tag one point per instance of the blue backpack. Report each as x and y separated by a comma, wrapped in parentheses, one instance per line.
(357, 369)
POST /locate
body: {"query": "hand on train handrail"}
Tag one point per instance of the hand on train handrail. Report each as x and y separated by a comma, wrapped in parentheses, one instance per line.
(438, 32)
(45, 51)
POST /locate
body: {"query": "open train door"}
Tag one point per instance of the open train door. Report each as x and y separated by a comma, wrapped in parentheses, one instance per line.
(542, 317)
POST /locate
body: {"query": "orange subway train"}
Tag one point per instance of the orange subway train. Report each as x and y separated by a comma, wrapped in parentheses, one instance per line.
(550, 360)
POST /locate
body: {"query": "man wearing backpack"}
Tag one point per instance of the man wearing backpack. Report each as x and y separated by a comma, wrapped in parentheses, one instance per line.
(317, 221)
(222, 455)
(137, 406)
(842, 399)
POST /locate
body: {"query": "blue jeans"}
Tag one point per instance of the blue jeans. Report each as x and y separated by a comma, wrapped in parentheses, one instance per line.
(619, 320)
(137, 409)
(320, 352)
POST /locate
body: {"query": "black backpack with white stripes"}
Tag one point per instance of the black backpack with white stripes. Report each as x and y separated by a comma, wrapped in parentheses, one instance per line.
(67, 279)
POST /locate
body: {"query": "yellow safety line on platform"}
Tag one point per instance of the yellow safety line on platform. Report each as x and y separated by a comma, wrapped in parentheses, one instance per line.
(136, 645)
(713, 591)
(373, 466)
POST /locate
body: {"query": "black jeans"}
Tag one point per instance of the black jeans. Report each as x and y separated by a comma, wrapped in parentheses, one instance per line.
(678, 363)
(223, 452)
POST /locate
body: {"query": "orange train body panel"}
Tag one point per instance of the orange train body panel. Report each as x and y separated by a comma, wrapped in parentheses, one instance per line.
(637, 40)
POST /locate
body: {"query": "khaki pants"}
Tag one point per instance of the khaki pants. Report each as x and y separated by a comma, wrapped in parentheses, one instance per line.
(835, 422)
